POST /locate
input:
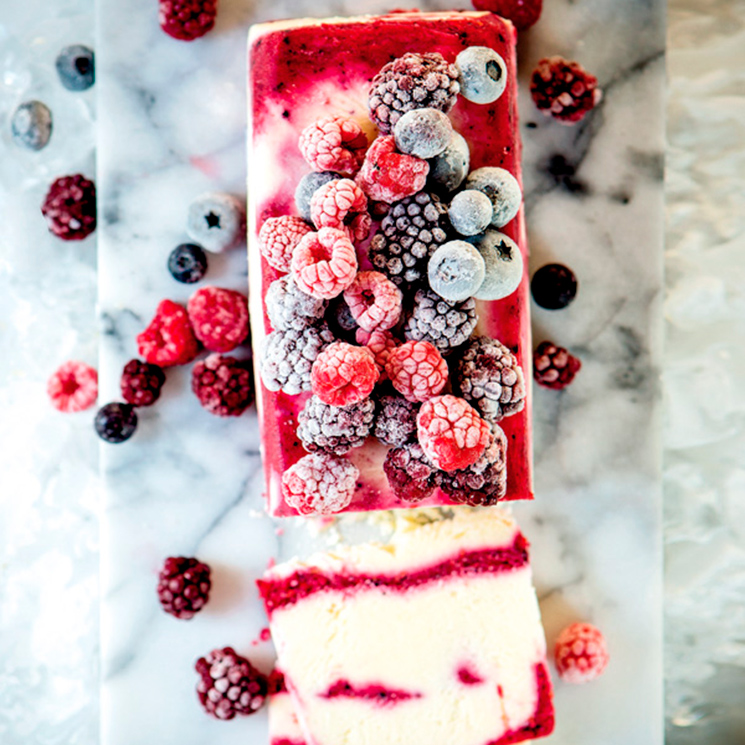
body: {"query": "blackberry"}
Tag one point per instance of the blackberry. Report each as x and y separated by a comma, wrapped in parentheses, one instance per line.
(76, 67)
(183, 586)
(141, 383)
(288, 307)
(554, 286)
(335, 429)
(445, 325)
(553, 366)
(410, 474)
(308, 186)
(395, 420)
(187, 263)
(31, 125)
(223, 385)
(116, 422)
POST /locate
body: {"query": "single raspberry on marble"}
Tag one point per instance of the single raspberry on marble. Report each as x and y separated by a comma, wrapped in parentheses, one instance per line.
(341, 204)
(219, 317)
(320, 484)
(564, 89)
(411, 475)
(141, 383)
(278, 238)
(374, 301)
(169, 339)
(445, 324)
(523, 13)
(417, 370)
(344, 374)
(288, 307)
(70, 207)
(553, 366)
(183, 586)
(73, 386)
(187, 20)
(395, 420)
(324, 263)
(381, 344)
(388, 175)
(334, 144)
(335, 429)
(581, 653)
(223, 385)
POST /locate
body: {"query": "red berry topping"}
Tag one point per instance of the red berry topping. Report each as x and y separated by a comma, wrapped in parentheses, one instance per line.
(417, 370)
(278, 238)
(341, 204)
(343, 374)
(229, 684)
(183, 586)
(388, 176)
(451, 433)
(320, 484)
(523, 13)
(381, 344)
(554, 367)
(70, 207)
(334, 144)
(169, 339)
(223, 385)
(187, 19)
(324, 263)
(219, 318)
(411, 475)
(73, 387)
(581, 653)
(374, 301)
(564, 90)
(141, 383)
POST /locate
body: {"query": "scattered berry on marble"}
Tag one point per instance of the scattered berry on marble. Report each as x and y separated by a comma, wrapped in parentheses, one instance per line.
(388, 176)
(76, 67)
(381, 344)
(216, 221)
(187, 20)
(581, 653)
(141, 383)
(456, 271)
(219, 317)
(223, 385)
(554, 286)
(448, 170)
(70, 207)
(470, 212)
(341, 321)
(278, 238)
(187, 263)
(442, 323)
(183, 586)
(503, 265)
(523, 13)
(73, 387)
(320, 484)
(324, 263)
(344, 374)
(410, 473)
(502, 189)
(564, 90)
(482, 74)
(342, 205)
(395, 420)
(554, 367)
(288, 307)
(115, 422)
(335, 429)
(169, 338)
(31, 125)
(417, 370)
(374, 301)
(308, 186)
(334, 144)
(229, 684)
(423, 133)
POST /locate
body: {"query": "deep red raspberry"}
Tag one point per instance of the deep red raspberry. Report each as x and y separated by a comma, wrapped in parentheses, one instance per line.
(223, 385)
(187, 20)
(417, 370)
(411, 475)
(324, 263)
(169, 339)
(451, 433)
(381, 344)
(341, 204)
(334, 144)
(581, 653)
(344, 374)
(564, 90)
(389, 176)
(523, 13)
(73, 386)
(320, 484)
(183, 586)
(374, 301)
(219, 318)
(278, 238)
(141, 383)
(70, 207)
(553, 366)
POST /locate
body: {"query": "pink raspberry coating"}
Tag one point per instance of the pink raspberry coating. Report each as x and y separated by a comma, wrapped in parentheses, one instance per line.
(70, 207)
(219, 318)
(320, 484)
(581, 653)
(334, 144)
(73, 386)
(417, 370)
(324, 263)
(451, 432)
(169, 339)
(187, 20)
(381, 344)
(278, 238)
(341, 204)
(563, 89)
(522, 13)
(553, 366)
(374, 301)
(223, 385)
(183, 586)
(344, 374)
(389, 176)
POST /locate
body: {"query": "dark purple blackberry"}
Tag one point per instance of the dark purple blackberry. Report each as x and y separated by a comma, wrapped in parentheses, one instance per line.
(141, 383)
(288, 307)
(116, 422)
(187, 263)
(335, 429)
(444, 324)
(554, 286)
(410, 474)
(395, 420)
(223, 385)
(183, 586)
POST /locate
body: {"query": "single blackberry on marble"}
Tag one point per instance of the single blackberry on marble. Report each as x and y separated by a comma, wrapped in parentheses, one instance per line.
(288, 307)
(444, 324)
(335, 429)
(395, 420)
(411, 475)
(183, 586)
(141, 382)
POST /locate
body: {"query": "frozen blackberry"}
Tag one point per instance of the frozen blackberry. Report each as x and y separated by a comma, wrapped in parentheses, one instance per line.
(288, 307)
(308, 186)
(445, 325)
(335, 429)
(223, 385)
(183, 586)
(395, 420)
(187, 263)
(76, 68)
(116, 422)
(409, 234)
(141, 383)
(31, 125)
(410, 474)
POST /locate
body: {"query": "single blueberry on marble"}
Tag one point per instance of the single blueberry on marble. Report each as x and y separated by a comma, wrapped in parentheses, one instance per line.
(470, 212)
(554, 286)
(423, 133)
(308, 186)
(187, 263)
(503, 190)
(216, 221)
(503, 265)
(76, 67)
(450, 167)
(116, 422)
(456, 270)
(482, 74)
(31, 125)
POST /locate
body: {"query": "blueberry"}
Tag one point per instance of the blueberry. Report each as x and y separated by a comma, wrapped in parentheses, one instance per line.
(116, 422)
(31, 125)
(424, 133)
(503, 264)
(554, 286)
(456, 271)
(215, 221)
(450, 167)
(308, 186)
(503, 190)
(482, 74)
(470, 212)
(76, 67)
(187, 263)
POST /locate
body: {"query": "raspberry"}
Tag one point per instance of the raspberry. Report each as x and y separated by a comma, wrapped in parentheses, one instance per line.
(395, 420)
(324, 263)
(414, 81)
(343, 374)
(444, 324)
(374, 301)
(31, 125)
(219, 318)
(563, 89)
(451, 433)
(320, 484)
(380, 343)
(388, 176)
(417, 370)
(482, 74)
(490, 379)
(342, 205)
(70, 207)
(554, 286)
(183, 586)
(141, 383)
(187, 20)
(76, 67)
(411, 475)
(554, 367)
(288, 307)
(169, 339)
(424, 133)
(115, 422)
(335, 429)
(456, 271)
(523, 13)
(334, 144)
(308, 186)
(503, 190)
(278, 238)
(581, 653)
(223, 385)
(229, 684)
(73, 386)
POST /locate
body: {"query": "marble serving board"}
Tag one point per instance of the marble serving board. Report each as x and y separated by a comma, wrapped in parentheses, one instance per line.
(171, 126)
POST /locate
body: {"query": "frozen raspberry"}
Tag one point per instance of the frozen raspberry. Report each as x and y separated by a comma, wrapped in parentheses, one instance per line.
(523, 13)
(334, 144)
(115, 422)
(417, 370)
(395, 420)
(554, 286)
(414, 81)
(320, 484)
(411, 475)
(424, 133)
(374, 301)
(381, 344)
(489, 377)
(308, 186)
(141, 383)
(451, 432)
(554, 367)
(483, 74)
(324, 263)
(335, 429)
(442, 323)
(342, 205)
(564, 90)
(73, 386)
(219, 318)
(169, 339)
(187, 20)
(581, 653)
(278, 238)
(183, 586)
(343, 374)
(229, 684)
(223, 385)
(456, 271)
(288, 307)
(70, 207)
(388, 175)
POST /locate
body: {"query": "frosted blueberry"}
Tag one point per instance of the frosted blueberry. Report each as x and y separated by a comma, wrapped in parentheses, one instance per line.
(215, 221)
(482, 74)
(456, 271)
(503, 190)
(308, 186)
(503, 264)
(32, 125)
(470, 212)
(424, 133)
(76, 68)
(450, 167)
